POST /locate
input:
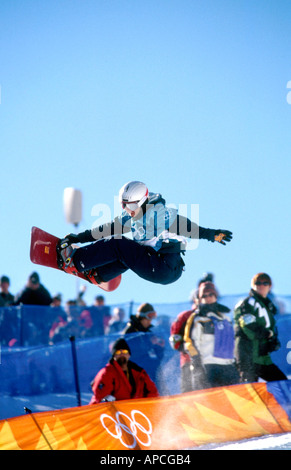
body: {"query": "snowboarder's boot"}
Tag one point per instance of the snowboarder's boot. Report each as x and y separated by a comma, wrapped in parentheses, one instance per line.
(65, 259)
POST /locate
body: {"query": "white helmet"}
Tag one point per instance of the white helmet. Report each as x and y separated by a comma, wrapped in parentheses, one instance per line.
(133, 195)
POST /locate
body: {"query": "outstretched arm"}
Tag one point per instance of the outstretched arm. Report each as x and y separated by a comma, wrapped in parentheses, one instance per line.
(185, 227)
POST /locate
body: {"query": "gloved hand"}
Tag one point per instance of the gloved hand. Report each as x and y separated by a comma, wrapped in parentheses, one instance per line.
(274, 344)
(176, 342)
(270, 344)
(68, 240)
(222, 236)
(108, 398)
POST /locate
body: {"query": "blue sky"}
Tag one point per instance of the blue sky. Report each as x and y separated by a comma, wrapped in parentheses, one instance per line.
(188, 96)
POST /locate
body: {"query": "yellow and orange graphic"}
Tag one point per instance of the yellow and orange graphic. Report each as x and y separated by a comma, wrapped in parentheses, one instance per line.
(167, 423)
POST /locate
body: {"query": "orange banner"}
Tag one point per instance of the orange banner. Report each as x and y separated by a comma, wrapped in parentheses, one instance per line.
(167, 423)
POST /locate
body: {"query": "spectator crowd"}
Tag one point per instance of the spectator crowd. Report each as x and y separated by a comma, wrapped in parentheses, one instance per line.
(56, 322)
(215, 347)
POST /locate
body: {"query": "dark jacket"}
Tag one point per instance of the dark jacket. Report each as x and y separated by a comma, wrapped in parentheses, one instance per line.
(6, 299)
(150, 346)
(256, 332)
(39, 296)
(134, 325)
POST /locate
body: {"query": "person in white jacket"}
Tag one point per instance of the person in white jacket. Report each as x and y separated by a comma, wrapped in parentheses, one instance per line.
(209, 340)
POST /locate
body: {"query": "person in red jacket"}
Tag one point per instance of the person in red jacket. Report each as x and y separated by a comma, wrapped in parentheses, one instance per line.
(177, 343)
(122, 379)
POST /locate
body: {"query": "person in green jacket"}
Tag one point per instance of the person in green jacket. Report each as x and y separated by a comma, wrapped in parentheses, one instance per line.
(256, 333)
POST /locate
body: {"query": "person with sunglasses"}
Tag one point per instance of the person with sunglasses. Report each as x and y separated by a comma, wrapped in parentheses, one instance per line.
(159, 237)
(209, 341)
(122, 379)
(256, 333)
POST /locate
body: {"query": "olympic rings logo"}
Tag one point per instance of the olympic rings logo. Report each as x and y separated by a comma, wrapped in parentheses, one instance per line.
(131, 431)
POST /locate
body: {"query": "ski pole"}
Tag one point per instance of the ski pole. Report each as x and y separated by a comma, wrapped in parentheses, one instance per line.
(75, 366)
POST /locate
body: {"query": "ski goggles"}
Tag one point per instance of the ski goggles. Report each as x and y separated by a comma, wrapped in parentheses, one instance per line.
(205, 296)
(149, 315)
(119, 352)
(262, 283)
(132, 206)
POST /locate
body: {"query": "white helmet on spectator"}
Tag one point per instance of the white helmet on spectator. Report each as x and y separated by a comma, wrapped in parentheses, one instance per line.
(133, 195)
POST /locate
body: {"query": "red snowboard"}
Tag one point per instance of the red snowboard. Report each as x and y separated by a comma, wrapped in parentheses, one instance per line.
(43, 251)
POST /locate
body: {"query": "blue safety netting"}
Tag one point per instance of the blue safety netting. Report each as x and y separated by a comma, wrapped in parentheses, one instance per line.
(43, 376)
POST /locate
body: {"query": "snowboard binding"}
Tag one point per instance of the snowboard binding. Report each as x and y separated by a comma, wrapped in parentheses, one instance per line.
(65, 261)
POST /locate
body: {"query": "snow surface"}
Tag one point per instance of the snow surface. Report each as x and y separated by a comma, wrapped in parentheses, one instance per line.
(270, 442)
(14, 406)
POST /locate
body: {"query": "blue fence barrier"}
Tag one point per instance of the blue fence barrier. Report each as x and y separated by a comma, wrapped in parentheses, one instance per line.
(30, 325)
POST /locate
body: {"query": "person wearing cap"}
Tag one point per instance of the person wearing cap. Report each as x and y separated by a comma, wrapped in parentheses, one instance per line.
(146, 344)
(34, 293)
(256, 333)
(159, 238)
(122, 379)
(176, 338)
(209, 341)
(35, 322)
(142, 320)
(6, 298)
(206, 277)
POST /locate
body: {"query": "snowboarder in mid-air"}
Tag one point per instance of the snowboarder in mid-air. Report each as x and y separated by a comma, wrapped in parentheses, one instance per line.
(159, 236)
